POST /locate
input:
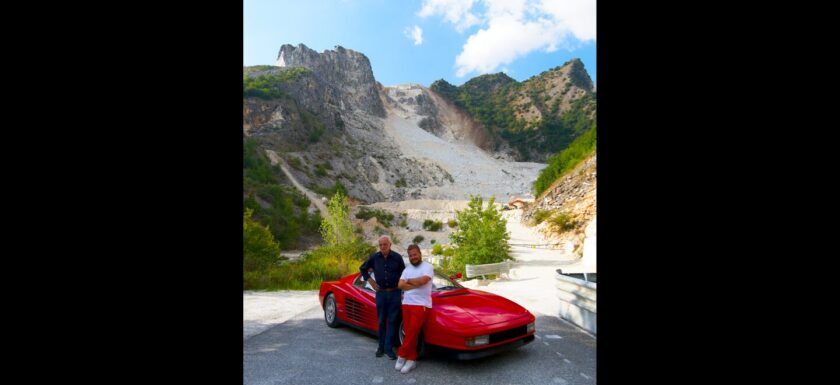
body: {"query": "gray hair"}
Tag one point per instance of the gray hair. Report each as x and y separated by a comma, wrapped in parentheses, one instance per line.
(386, 238)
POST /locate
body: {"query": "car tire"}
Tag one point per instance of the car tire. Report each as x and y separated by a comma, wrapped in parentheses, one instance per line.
(330, 311)
(421, 344)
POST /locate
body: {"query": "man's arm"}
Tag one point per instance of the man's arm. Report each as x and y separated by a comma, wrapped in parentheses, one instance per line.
(413, 283)
(419, 281)
(365, 268)
(401, 284)
(367, 264)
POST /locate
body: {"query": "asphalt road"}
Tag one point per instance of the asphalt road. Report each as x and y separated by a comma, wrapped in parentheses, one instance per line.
(303, 350)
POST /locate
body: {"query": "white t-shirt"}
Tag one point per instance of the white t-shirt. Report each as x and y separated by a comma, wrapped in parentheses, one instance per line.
(422, 295)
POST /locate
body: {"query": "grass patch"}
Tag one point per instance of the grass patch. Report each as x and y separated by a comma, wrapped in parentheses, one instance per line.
(324, 263)
(566, 160)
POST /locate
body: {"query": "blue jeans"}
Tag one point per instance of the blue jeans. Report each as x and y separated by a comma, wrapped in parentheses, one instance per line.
(388, 305)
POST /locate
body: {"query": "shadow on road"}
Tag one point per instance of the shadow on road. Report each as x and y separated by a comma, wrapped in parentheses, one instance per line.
(306, 351)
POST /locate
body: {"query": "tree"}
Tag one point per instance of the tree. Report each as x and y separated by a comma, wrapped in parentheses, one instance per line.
(481, 238)
(336, 228)
(260, 248)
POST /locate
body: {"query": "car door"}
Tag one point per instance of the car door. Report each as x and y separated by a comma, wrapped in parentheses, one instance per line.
(361, 306)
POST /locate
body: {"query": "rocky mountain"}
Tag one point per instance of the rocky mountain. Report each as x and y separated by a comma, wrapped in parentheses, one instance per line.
(329, 125)
(530, 120)
(567, 207)
(345, 70)
(328, 119)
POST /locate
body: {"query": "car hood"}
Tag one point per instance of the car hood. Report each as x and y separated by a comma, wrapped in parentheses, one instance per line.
(477, 307)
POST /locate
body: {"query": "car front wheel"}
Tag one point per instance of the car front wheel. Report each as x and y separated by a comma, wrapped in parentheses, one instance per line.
(330, 311)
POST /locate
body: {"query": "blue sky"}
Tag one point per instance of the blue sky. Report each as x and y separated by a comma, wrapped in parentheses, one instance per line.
(420, 41)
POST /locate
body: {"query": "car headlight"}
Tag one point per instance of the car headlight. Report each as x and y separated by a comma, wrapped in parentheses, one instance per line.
(478, 340)
(531, 327)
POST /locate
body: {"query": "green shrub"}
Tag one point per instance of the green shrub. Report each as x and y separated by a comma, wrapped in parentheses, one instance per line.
(452, 223)
(268, 86)
(432, 241)
(481, 238)
(541, 215)
(431, 225)
(320, 170)
(418, 239)
(327, 192)
(294, 162)
(437, 249)
(259, 247)
(382, 216)
(561, 222)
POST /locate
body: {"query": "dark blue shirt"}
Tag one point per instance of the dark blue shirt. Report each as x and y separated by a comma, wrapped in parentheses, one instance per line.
(387, 270)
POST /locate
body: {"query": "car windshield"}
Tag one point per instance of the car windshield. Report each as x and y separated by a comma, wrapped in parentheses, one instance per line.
(439, 283)
(442, 283)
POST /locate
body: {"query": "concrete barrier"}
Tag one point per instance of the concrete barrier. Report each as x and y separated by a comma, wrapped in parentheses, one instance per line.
(578, 301)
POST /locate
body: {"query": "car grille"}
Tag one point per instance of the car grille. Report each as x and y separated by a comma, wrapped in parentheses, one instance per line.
(508, 334)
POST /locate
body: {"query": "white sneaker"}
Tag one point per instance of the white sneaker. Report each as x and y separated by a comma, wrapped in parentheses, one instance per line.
(400, 363)
(408, 366)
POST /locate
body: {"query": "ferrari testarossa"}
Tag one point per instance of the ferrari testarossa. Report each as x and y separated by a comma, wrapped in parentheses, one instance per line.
(463, 323)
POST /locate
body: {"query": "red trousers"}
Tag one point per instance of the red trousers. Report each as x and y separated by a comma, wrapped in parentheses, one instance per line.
(414, 316)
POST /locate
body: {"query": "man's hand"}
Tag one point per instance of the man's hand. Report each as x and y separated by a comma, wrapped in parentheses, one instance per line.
(374, 285)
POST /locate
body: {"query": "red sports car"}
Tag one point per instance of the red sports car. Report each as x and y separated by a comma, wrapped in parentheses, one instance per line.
(465, 323)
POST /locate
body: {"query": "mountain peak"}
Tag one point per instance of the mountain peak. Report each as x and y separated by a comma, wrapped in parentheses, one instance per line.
(578, 75)
(342, 68)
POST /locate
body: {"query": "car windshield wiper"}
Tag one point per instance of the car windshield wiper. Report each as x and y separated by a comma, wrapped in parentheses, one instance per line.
(448, 288)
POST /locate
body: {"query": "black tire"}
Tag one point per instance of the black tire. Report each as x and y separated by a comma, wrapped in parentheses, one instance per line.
(330, 311)
(421, 344)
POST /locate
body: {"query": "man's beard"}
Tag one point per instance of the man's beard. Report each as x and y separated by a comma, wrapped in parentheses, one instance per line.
(419, 261)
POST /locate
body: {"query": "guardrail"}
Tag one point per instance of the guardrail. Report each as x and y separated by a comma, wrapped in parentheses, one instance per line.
(578, 301)
(540, 246)
(487, 269)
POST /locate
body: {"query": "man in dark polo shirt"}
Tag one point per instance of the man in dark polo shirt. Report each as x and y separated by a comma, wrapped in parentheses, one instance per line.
(387, 266)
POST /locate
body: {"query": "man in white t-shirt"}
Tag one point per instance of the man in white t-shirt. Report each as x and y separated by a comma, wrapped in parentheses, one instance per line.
(416, 283)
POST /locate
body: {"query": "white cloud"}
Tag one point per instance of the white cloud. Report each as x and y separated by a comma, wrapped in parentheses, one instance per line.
(504, 40)
(415, 33)
(456, 12)
(577, 15)
(514, 28)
